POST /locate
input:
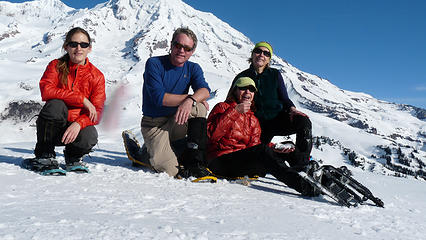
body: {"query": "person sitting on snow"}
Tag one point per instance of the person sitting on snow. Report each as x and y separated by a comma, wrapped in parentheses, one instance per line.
(234, 145)
(170, 113)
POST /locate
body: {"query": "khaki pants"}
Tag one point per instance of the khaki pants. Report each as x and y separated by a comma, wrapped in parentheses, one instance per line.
(159, 132)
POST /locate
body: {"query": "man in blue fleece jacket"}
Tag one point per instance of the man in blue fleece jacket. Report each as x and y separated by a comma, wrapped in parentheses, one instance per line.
(170, 113)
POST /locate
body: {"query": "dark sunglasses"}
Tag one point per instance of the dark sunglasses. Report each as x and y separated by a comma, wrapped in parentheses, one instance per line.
(75, 44)
(250, 88)
(179, 46)
(259, 51)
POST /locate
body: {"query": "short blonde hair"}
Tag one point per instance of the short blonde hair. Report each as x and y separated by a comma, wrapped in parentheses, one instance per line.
(188, 32)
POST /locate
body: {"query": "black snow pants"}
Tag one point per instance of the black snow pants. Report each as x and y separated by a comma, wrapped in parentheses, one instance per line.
(281, 125)
(256, 161)
(52, 123)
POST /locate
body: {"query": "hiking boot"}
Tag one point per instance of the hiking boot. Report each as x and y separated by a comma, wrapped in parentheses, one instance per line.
(76, 167)
(45, 161)
(74, 163)
(69, 160)
(193, 171)
(312, 171)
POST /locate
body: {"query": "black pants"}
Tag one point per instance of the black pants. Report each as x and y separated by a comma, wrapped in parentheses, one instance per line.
(51, 125)
(257, 160)
(282, 126)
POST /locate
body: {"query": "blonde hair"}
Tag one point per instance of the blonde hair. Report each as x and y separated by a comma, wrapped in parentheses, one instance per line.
(188, 32)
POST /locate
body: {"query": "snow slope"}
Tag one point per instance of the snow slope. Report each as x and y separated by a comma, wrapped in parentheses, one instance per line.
(117, 201)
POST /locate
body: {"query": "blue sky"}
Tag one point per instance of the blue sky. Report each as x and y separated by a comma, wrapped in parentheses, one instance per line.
(372, 46)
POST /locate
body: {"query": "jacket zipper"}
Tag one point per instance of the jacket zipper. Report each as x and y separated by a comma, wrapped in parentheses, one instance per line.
(75, 77)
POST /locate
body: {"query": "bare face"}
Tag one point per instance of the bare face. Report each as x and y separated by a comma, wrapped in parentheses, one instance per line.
(245, 94)
(77, 53)
(182, 50)
(259, 59)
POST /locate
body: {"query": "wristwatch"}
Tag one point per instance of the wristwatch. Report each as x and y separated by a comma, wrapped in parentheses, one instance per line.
(194, 103)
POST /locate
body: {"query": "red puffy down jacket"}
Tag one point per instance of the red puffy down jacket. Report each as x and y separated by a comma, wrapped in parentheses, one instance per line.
(230, 131)
(83, 81)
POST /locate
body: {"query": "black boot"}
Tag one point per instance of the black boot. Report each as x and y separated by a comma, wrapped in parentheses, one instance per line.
(306, 188)
(194, 157)
(304, 142)
(74, 161)
(43, 162)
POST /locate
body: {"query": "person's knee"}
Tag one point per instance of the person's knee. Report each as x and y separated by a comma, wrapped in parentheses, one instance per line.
(55, 110)
(304, 121)
(199, 110)
(87, 138)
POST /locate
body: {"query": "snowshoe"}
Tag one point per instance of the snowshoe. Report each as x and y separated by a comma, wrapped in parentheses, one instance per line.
(196, 171)
(44, 166)
(137, 154)
(211, 177)
(77, 167)
(340, 186)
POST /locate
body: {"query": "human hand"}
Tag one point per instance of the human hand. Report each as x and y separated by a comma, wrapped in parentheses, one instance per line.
(243, 107)
(93, 115)
(71, 133)
(206, 104)
(183, 111)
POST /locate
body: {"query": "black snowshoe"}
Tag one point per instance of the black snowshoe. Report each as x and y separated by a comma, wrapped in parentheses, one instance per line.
(338, 184)
(137, 154)
(45, 165)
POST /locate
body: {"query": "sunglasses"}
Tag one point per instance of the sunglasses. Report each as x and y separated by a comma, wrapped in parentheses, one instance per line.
(180, 46)
(250, 88)
(75, 44)
(259, 51)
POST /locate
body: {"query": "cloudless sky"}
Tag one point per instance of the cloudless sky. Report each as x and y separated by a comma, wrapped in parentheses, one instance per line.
(372, 46)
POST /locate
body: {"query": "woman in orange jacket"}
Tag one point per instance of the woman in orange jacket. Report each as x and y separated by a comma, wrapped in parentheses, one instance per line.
(234, 146)
(74, 92)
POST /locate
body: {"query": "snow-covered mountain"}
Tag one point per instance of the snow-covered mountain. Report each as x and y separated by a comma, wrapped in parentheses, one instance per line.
(349, 127)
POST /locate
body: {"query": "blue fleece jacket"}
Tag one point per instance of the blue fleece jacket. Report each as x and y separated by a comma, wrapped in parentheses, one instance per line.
(162, 77)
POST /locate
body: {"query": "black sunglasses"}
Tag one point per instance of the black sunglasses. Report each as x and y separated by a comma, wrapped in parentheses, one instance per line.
(75, 44)
(250, 88)
(179, 46)
(259, 51)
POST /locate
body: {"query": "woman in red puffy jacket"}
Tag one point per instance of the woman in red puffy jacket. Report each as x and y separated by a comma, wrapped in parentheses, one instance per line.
(234, 146)
(74, 92)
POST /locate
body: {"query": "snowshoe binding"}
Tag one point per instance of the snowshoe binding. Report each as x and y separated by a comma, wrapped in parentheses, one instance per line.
(44, 165)
(77, 167)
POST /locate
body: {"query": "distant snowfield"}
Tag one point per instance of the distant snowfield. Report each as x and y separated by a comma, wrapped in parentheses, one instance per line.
(118, 201)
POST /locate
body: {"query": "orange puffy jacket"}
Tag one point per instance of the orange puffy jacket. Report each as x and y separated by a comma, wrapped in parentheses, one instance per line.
(229, 131)
(83, 81)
